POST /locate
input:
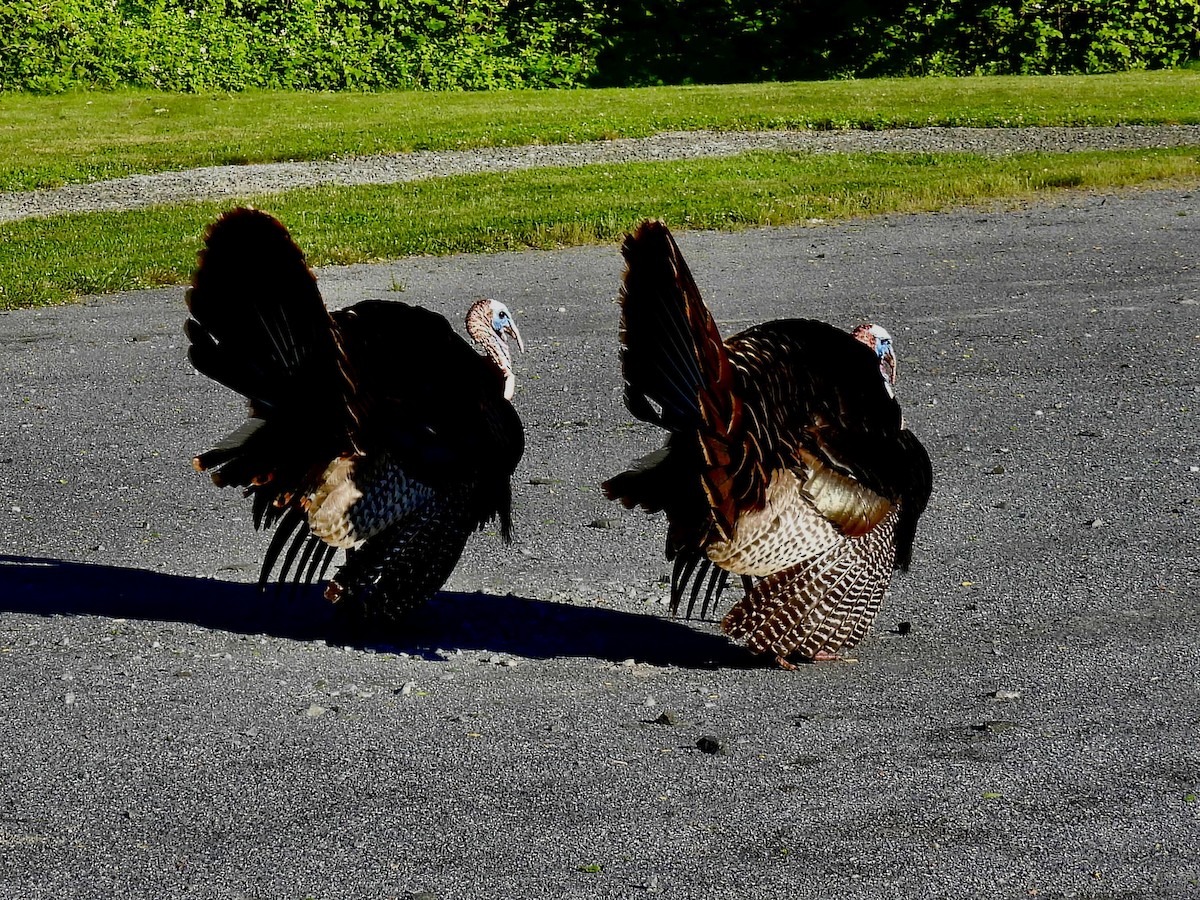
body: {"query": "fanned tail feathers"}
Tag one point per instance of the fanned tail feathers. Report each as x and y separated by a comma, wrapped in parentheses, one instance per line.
(258, 325)
(659, 355)
(677, 369)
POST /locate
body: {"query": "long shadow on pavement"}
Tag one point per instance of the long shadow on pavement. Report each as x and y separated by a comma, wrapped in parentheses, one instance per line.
(467, 621)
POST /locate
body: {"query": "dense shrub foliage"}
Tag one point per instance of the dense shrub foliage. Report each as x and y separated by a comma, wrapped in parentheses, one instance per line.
(1085, 36)
(676, 41)
(193, 45)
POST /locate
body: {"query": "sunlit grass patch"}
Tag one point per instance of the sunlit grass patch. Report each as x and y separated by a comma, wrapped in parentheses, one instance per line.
(53, 260)
(76, 137)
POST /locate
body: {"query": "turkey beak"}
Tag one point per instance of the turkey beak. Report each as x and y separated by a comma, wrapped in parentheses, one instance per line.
(510, 330)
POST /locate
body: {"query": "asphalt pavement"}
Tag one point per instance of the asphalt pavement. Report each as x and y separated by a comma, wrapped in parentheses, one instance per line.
(1022, 721)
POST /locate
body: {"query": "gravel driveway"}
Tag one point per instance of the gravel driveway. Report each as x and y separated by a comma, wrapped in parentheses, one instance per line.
(221, 182)
(167, 732)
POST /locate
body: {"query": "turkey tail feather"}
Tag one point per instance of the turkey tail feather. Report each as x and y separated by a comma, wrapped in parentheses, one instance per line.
(673, 357)
(659, 355)
(681, 573)
(258, 324)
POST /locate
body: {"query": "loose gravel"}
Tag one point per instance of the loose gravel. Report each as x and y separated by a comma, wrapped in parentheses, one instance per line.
(220, 182)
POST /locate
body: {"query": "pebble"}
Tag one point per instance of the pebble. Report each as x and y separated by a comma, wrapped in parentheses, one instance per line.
(710, 744)
(314, 711)
(1005, 696)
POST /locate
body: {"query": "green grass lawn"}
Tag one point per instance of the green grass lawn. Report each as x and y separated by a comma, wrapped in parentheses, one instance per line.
(78, 137)
(51, 260)
(45, 141)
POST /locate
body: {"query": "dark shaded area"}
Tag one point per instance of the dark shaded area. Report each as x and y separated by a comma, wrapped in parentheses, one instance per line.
(184, 45)
(519, 626)
(733, 41)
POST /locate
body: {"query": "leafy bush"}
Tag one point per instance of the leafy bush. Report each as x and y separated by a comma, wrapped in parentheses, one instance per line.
(674, 41)
(1015, 37)
(194, 45)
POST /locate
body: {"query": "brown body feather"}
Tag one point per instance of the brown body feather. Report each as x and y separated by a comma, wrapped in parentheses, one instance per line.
(787, 459)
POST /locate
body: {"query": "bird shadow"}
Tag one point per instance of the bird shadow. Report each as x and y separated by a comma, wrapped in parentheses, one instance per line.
(519, 626)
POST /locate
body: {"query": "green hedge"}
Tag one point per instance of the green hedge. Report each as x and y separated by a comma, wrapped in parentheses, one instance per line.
(195, 45)
(1085, 36)
(680, 41)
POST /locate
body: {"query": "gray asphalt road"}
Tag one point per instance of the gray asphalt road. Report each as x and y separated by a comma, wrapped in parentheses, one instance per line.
(167, 732)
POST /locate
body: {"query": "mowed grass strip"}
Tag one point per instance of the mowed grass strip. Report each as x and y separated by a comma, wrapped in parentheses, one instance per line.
(52, 260)
(79, 137)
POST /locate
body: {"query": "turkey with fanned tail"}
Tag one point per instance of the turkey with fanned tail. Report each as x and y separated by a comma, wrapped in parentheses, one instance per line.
(787, 460)
(374, 429)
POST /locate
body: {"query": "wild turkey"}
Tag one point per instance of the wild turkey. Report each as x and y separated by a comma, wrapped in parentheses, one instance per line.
(375, 428)
(787, 459)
